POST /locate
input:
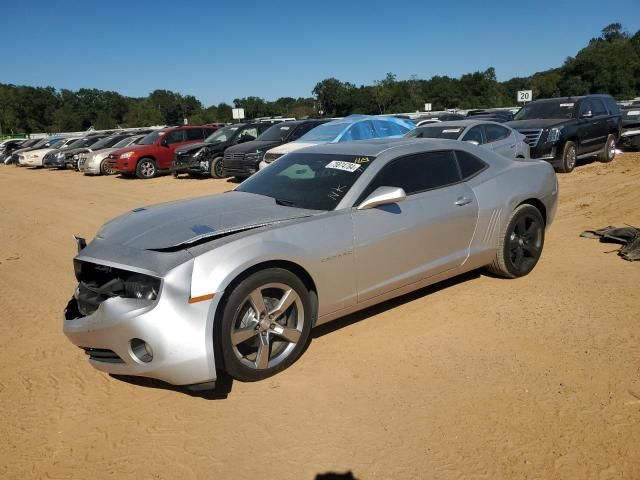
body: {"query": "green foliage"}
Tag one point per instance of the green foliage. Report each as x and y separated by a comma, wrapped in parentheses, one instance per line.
(609, 63)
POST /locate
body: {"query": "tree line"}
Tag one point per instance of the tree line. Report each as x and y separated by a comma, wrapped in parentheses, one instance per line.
(609, 63)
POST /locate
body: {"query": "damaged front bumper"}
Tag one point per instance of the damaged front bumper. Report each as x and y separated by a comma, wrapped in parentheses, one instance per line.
(169, 338)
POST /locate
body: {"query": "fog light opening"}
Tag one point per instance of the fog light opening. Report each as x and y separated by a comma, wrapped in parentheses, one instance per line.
(141, 350)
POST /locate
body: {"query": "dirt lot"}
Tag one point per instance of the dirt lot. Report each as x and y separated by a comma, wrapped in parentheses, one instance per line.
(481, 378)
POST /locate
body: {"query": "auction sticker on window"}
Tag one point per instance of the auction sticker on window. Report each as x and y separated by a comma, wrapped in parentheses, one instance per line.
(346, 166)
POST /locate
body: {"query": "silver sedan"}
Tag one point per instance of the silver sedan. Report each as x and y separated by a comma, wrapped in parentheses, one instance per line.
(492, 135)
(237, 281)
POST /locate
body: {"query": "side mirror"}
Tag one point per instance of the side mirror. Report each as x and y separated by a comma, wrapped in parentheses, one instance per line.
(164, 142)
(473, 142)
(383, 196)
(587, 114)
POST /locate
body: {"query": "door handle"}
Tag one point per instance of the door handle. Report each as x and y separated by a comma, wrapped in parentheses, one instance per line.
(462, 201)
(512, 146)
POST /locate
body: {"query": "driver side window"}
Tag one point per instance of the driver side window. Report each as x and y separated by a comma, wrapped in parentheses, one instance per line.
(176, 136)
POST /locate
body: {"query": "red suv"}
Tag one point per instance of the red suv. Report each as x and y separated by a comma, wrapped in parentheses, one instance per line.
(155, 151)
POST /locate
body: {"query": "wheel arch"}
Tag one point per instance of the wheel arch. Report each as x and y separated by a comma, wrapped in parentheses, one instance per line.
(534, 202)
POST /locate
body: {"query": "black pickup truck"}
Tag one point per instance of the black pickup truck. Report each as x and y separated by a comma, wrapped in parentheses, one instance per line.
(563, 130)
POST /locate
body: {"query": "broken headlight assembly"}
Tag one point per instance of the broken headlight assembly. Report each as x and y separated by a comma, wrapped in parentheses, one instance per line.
(98, 283)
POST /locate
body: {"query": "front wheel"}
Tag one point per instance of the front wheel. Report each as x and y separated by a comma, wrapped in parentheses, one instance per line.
(265, 325)
(569, 158)
(609, 152)
(216, 168)
(146, 168)
(520, 245)
(105, 169)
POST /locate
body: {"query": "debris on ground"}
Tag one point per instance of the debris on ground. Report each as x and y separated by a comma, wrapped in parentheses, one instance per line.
(628, 237)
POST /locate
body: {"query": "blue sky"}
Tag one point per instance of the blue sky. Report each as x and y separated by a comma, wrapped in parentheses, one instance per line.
(218, 51)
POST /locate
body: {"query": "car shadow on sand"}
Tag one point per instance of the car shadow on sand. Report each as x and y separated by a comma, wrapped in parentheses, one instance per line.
(221, 390)
(358, 316)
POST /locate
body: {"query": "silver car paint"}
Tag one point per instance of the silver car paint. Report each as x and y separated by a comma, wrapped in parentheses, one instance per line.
(352, 256)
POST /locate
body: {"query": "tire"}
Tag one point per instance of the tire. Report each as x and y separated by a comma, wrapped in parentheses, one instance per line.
(253, 345)
(146, 168)
(105, 170)
(609, 151)
(520, 244)
(569, 158)
(216, 169)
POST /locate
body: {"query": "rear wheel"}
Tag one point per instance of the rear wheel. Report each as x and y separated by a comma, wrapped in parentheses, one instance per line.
(146, 168)
(520, 245)
(609, 151)
(569, 158)
(216, 168)
(265, 325)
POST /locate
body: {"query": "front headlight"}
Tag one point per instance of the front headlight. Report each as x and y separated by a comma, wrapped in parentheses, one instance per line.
(59, 155)
(198, 153)
(257, 155)
(141, 287)
(554, 135)
(76, 156)
(126, 155)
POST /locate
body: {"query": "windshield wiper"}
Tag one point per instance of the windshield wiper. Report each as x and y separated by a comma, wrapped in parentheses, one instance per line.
(286, 203)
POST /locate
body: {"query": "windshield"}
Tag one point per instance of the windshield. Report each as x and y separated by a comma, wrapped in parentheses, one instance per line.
(106, 142)
(222, 135)
(451, 132)
(325, 133)
(560, 109)
(125, 142)
(72, 144)
(277, 133)
(151, 138)
(316, 181)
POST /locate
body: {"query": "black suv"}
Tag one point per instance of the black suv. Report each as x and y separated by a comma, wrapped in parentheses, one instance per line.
(242, 160)
(205, 158)
(563, 130)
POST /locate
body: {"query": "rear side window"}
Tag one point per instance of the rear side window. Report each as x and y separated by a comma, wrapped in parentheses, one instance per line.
(387, 129)
(419, 172)
(495, 132)
(612, 106)
(470, 165)
(176, 136)
(598, 107)
(359, 131)
(475, 134)
(194, 134)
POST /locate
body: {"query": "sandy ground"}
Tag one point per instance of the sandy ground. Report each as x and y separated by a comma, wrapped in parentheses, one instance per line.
(480, 378)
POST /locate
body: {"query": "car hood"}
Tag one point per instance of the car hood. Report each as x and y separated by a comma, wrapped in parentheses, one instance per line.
(40, 151)
(292, 147)
(192, 147)
(254, 145)
(538, 123)
(176, 225)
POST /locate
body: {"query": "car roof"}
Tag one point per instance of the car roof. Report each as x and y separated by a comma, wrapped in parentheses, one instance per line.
(376, 146)
(459, 123)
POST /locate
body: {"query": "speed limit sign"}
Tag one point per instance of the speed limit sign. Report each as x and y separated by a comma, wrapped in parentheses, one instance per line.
(525, 95)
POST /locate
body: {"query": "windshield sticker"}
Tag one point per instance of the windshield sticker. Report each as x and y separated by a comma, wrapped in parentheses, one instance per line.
(285, 128)
(361, 160)
(346, 166)
(567, 104)
(451, 130)
(633, 112)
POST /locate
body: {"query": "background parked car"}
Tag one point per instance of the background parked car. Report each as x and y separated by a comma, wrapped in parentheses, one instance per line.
(563, 130)
(353, 127)
(95, 162)
(44, 143)
(442, 117)
(494, 136)
(35, 157)
(630, 133)
(9, 146)
(206, 158)
(154, 153)
(492, 114)
(68, 157)
(28, 145)
(243, 160)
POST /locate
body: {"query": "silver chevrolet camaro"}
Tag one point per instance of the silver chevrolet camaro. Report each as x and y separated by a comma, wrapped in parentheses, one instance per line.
(236, 281)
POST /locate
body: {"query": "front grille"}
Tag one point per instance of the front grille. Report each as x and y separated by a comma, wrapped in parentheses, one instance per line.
(533, 136)
(102, 355)
(270, 157)
(233, 156)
